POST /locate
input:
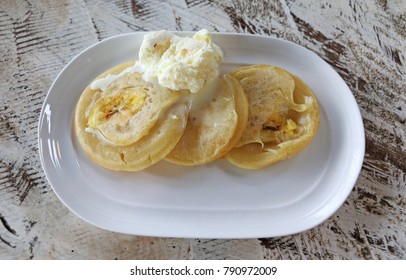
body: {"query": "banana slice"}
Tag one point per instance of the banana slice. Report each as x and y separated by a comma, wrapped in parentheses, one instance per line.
(128, 108)
(120, 106)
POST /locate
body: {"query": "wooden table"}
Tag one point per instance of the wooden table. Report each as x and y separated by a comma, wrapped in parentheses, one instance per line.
(364, 42)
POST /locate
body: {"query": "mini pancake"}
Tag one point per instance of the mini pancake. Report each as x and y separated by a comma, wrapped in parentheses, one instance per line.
(283, 116)
(128, 108)
(215, 128)
(132, 124)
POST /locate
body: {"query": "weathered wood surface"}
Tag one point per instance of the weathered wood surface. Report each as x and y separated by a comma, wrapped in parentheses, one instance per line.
(365, 41)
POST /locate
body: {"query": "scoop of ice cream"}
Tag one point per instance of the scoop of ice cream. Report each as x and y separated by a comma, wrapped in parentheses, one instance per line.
(180, 63)
(154, 45)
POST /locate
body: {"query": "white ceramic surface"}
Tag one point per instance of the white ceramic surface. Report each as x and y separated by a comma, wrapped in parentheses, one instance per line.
(216, 200)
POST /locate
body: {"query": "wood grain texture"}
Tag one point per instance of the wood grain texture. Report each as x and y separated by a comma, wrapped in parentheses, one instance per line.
(365, 42)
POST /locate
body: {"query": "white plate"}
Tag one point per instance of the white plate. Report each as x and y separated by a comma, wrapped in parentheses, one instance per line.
(216, 200)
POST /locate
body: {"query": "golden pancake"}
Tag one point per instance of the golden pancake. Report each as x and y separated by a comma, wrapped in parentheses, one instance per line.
(131, 124)
(128, 108)
(215, 128)
(283, 116)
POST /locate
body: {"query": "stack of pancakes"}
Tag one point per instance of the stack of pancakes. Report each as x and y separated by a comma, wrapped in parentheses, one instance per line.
(256, 116)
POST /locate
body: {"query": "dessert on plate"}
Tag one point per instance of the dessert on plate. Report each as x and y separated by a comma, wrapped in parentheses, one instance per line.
(173, 103)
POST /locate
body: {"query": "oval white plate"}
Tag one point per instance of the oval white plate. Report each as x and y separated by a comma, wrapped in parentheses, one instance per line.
(216, 200)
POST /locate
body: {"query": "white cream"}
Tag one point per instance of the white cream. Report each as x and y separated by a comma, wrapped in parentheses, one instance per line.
(103, 83)
(180, 108)
(99, 135)
(205, 94)
(180, 63)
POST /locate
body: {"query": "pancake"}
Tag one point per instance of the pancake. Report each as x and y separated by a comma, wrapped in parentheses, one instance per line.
(128, 108)
(215, 128)
(130, 125)
(283, 116)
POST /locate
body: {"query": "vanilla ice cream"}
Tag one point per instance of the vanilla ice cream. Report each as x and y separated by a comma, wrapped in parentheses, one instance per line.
(180, 63)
